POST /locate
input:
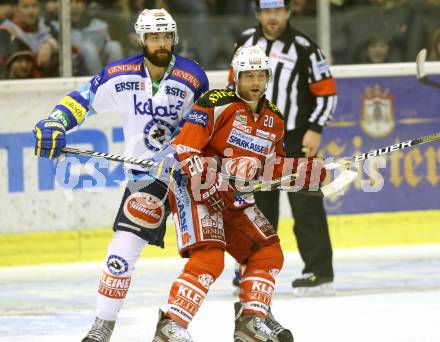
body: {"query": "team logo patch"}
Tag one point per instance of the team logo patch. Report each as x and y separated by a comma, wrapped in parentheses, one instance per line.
(243, 167)
(117, 265)
(206, 280)
(249, 142)
(146, 210)
(198, 117)
(156, 133)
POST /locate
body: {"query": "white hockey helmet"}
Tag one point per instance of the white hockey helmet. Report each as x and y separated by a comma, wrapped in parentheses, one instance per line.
(152, 21)
(249, 58)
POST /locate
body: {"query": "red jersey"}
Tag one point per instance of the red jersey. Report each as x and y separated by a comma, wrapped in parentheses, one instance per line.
(221, 125)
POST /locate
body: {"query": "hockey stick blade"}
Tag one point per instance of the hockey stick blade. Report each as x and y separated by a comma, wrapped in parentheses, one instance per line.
(345, 178)
(422, 76)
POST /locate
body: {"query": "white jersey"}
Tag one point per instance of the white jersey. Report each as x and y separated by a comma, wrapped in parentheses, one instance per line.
(125, 87)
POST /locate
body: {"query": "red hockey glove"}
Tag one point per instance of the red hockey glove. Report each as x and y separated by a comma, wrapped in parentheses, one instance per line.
(311, 173)
(218, 196)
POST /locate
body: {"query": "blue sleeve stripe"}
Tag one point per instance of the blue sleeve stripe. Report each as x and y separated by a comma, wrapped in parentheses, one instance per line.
(80, 99)
(69, 114)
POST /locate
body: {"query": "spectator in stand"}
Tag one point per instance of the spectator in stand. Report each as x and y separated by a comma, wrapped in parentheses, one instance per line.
(376, 50)
(91, 38)
(5, 36)
(20, 64)
(303, 7)
(386, 19)
(51, 11)
(5, 51)
(27, 25)
(197, 13)
(424, 24)
(434, 50)
(5, 9)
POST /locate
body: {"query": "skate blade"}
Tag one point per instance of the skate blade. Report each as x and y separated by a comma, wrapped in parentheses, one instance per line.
(250, 339)
(323, 290)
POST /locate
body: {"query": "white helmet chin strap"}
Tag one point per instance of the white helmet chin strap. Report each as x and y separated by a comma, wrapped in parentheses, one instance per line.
(247, 101)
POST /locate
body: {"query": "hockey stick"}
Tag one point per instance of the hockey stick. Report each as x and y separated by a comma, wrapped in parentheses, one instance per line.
(422, 76)
(347, 176)
(148, 164)
(389, 149)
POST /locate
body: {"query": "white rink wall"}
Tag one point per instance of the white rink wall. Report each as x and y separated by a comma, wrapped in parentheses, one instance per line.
(29, 209)
(22, 104)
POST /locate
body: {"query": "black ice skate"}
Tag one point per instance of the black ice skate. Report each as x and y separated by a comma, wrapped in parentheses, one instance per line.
(101, 331)
(169, 331)
(282, 334)
(313, 285)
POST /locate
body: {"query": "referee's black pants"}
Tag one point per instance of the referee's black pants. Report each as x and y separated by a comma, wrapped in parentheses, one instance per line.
(310, 228)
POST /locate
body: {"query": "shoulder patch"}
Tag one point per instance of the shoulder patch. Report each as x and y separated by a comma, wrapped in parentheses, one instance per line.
(186, 76)
(216, 97)
(302, 41)
(274, 109)
(119, 68)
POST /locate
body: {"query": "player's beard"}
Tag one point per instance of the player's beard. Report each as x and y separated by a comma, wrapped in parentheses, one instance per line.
(160, 58)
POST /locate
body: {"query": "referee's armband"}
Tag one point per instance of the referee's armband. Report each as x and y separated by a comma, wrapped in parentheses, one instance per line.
(325, 87)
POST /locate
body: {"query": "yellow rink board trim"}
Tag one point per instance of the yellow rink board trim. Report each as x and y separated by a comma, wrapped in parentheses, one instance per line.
(347, 231)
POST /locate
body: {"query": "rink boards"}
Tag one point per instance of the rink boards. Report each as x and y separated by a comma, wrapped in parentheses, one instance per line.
(57, 216)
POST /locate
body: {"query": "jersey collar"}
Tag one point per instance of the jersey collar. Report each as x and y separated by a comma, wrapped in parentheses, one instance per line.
(167, 72)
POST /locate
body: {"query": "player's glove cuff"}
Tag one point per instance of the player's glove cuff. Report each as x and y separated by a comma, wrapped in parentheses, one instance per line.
(50, 138)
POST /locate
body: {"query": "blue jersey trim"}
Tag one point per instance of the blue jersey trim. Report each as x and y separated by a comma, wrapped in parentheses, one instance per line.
(189, 73)
(133, 65)
(80, 99)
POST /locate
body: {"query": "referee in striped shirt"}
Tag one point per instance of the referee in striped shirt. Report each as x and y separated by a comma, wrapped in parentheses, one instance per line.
(305, 92)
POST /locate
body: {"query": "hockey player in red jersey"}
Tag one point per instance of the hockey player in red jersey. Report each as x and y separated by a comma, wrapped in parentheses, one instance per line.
(234, 131)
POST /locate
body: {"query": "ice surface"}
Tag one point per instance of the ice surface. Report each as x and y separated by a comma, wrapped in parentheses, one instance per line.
(383, 294)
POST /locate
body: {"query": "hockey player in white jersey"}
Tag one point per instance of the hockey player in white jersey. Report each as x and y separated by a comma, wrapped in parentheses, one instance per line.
(151, 91)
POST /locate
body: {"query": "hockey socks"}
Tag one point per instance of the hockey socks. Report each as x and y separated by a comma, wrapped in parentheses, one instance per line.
(191, 287)
(258, 282)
